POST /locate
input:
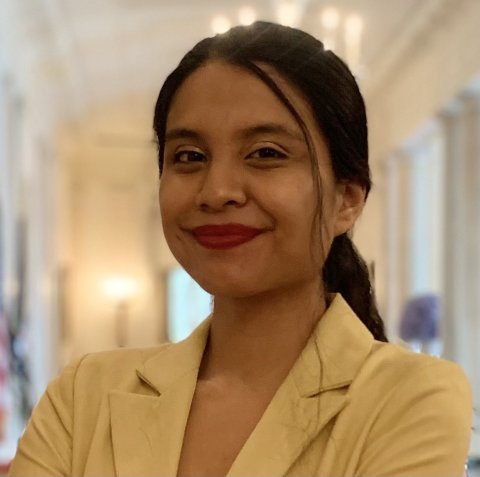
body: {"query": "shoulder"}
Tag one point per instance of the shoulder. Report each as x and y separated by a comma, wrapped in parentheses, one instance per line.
(394, 362)
(395, 378)
(106, 370)
(415, 412)
(392, 366)
(119, 359)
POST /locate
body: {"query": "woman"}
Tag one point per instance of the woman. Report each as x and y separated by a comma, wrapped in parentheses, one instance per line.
(264, 170)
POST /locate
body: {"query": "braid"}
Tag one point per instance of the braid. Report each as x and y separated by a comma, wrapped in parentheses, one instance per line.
(346, 272)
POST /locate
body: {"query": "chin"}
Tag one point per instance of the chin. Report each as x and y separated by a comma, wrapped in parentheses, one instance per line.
(230, 290)
(229, 286)
(224, 279)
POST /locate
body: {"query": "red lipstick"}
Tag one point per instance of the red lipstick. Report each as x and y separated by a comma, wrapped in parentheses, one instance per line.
(224, 236)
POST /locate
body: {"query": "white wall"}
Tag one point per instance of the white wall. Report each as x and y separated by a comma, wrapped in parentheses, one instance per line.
(433, 67)
(115, 227)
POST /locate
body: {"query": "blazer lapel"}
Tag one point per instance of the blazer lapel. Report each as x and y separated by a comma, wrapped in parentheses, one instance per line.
(147, 431)
(288, 425)
(313, 394)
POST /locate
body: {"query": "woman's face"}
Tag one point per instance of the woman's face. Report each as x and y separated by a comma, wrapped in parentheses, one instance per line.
(237, 196)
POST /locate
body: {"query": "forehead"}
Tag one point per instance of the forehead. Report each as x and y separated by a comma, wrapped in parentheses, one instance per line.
(229, 94)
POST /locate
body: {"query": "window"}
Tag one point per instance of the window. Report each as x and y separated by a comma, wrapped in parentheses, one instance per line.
(187, 304)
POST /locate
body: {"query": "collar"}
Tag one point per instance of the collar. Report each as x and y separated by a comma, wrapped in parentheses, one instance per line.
(340, 343)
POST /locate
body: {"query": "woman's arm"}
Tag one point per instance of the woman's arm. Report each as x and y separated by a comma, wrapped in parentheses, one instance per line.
(45, 448)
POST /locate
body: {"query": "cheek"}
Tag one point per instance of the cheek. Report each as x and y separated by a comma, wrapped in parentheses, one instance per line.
(295, 200)
(168, 207)
(289, 185)
(163, 202)
(292, 206)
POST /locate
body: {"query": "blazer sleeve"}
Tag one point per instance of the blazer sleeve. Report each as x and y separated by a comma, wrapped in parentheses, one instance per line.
(45, 448)
(424, 427)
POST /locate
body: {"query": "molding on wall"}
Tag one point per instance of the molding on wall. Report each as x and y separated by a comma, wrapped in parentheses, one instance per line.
(62, 32)
(423, 25)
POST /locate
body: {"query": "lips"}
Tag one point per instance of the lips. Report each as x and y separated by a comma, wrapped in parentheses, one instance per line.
(224, 236)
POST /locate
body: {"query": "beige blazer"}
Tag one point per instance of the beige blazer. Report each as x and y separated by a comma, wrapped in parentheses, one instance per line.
(351, 406)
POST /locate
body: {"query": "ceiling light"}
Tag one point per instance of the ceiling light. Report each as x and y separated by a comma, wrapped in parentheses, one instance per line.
(246, 15)
(353, 37)
(220, 24)
(353, 26)
(330, 18)
(289, 13)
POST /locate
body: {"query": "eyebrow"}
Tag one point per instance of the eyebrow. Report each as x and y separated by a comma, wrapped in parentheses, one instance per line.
(251, 131)
(271, 128)
(181, 133)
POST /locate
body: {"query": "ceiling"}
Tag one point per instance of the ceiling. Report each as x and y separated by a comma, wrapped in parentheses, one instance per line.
(108, 58)
(120, 48)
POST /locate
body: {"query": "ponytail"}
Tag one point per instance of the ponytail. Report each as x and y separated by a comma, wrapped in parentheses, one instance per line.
(346, 272)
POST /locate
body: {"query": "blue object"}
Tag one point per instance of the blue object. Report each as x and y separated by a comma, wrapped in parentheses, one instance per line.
(420, 318)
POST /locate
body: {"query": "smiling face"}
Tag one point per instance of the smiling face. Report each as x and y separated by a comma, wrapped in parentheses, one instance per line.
(237, 196)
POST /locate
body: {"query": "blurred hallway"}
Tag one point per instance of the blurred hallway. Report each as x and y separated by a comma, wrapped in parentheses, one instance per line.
(83, 263)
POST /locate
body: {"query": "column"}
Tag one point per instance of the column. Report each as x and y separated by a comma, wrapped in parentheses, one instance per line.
(398, 222)
(454, 330)
(461, 323)
(472, 246)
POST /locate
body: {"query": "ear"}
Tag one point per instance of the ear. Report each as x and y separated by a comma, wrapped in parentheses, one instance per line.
(350, 202)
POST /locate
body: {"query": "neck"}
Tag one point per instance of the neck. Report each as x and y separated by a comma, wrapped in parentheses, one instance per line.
(255, 341)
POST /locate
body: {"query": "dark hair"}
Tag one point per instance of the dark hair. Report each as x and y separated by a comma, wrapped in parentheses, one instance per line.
(339, 109)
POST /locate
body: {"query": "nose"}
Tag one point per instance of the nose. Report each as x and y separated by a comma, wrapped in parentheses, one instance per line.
(222, 185)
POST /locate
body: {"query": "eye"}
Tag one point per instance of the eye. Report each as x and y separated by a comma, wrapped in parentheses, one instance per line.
(186, 157)
(267, 153)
